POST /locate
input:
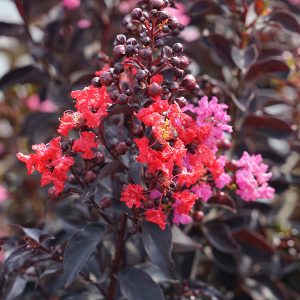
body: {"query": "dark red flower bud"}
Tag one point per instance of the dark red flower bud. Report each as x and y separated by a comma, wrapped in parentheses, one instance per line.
(148, 203)
(181, 101)
(189, 82)
(105, 202)
(154, 89)
(119, 51)
(184, 62)
(166, 51)
(138, 130)
(131, 41)
(119, 68)
(178, 48)
(157, 4)
(96, 82)
(89, 177)
(165, 29)
(129, 50)
(136, 13)
(159, 43)
(141, 75)
(163, 15)
(106, 78)
(198, 216)
(146, 41)
(145, 53)
(154, 12)
(99, 158)
(120, 39)
(121, 148)
(175, 61)
(173, 22)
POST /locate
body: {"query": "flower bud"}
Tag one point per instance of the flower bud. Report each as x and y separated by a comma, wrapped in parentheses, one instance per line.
(121, 148)
(131, 41)
(178, 48)
(96, 82)
(89, 177)
(157, 4)
(138, 130)
(119, 68)
(136, 13)
(181, 101)
(178, 73)
(106, 78)
(99, 158)
(173, 86)
(141, 75)
(129, 50)
(119, 51)
(145, 53)
(189, 82)
(154, 89)
(198, 216)
(148, 203)
(163, 15)
(173, 22)
(146, 41)
(122, 98)
(120, 39)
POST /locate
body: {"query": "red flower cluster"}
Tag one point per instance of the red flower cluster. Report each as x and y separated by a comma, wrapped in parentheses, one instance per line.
(50, 162)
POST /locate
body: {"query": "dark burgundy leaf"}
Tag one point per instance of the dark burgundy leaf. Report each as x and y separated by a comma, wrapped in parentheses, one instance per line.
(270, 125)
(244, 58)
(254, 244)
(158, 245)
(16, 288)
(27, 74)
(220, 237)
(182, 242)
(288, 20)
(221, 47)
(14, 30)
(78, 250)
(222, 201)
(204, 7)
(135, 171)
(17, 258)
(267, 66)
(116, 108)
(224, 261)
(136, 285)
(35, 234)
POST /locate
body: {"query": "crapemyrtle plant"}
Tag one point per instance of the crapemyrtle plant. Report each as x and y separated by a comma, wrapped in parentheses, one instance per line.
(142, 159)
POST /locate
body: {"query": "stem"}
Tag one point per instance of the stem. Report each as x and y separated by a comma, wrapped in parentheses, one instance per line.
(118, 258)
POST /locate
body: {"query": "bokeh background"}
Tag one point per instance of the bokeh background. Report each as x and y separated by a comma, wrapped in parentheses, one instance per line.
(251, 61)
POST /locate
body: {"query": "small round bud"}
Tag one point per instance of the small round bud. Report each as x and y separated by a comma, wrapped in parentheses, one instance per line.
(138, 130)
(146, 41)
(120, 39)
(128, 92)
(129, 50)
(198, 216)
(105, 202)
(181, 101)
(173, 22)
(184, 62)
(99, 158)
(136, 13)
(64, 146)
(178, 48)
(165, 29)
(96, 82)
(157, 4)
(154, 12)
(119, 51)
(189, 82)
(89, 177)
(131, 41)
(163, 15)
(166, 51)
(175, 61)
(119, 68)
(145, 53)
(141, 75)
(121, 148)
(154, 89)
(159, 43)
(122, 98)
(148, 203)
(106, 78)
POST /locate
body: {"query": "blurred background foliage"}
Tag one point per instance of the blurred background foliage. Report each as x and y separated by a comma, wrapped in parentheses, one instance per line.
(244, 52)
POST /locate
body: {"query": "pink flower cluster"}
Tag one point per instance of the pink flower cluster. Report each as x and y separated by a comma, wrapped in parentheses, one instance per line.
(71, 4)
(212, 113)
(252, 178)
